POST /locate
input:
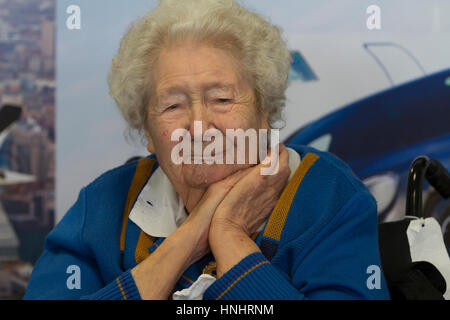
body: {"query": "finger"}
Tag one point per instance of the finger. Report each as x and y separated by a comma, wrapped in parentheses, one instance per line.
(283, 172)
(231, 180)
(267, 160)
(284, 156)
(217, 191)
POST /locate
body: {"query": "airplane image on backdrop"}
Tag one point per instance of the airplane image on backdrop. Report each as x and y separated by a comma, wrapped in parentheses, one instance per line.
(381, 134)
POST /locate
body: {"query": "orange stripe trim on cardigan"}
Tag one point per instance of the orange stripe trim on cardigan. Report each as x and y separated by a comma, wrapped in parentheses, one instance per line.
(187, 278)
(142, 252)
(242, 276)
(141, 175)
(121, 289)
(278, 217)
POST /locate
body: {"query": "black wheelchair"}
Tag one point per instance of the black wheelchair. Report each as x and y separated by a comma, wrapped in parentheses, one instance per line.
(409, 277)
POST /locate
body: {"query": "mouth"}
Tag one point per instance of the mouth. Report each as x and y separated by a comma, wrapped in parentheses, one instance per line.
(210, 156)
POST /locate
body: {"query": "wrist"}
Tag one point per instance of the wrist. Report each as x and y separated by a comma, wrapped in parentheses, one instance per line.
(229, 227)
(230, 247)
(193, 240)
(156, 276)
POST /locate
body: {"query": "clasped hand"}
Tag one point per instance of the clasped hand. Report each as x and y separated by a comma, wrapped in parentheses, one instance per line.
(234, 208)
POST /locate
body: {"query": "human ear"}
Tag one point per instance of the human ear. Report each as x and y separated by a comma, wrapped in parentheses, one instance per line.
(264, 122)
(150, 145)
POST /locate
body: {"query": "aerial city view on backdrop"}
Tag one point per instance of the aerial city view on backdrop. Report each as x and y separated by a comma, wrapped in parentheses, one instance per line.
(27, 137)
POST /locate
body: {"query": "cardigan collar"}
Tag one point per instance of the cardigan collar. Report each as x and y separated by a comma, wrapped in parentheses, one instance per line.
(159, 210)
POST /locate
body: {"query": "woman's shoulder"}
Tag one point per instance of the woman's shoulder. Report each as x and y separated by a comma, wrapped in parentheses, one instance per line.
(326, 187)
(325, 168)
(118, 179)
(105, 198)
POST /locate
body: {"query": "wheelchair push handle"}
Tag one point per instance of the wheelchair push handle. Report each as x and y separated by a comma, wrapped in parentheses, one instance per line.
(439, 178)
(423, 167)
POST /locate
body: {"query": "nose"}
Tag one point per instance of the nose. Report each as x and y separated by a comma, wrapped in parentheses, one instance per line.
(199, 120)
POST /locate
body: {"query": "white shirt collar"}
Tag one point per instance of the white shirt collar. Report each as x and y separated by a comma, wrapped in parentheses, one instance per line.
(159, 210)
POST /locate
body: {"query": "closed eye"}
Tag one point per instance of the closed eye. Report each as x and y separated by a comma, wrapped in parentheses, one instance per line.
(223, 100)
(173, 107)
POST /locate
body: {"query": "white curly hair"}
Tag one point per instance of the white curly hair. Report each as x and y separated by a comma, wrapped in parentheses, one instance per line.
(257, 44)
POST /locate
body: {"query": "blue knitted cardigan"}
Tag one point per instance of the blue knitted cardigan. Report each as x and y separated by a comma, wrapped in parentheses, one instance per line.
(320, 241)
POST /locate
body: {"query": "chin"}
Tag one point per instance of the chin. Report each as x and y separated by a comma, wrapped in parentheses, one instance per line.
(203, 175)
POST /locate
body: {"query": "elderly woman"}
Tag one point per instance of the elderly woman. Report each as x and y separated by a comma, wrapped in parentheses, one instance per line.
(156, 229)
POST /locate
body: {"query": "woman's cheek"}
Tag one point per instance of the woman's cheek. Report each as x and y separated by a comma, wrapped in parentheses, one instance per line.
(234, 121)
(166, 134)
(166, 142)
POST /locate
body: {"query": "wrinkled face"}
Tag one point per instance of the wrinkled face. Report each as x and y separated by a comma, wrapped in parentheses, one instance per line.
(198, 83)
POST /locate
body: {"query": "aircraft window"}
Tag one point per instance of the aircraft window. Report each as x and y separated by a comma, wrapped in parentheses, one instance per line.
(447, 81)
(322, 143)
